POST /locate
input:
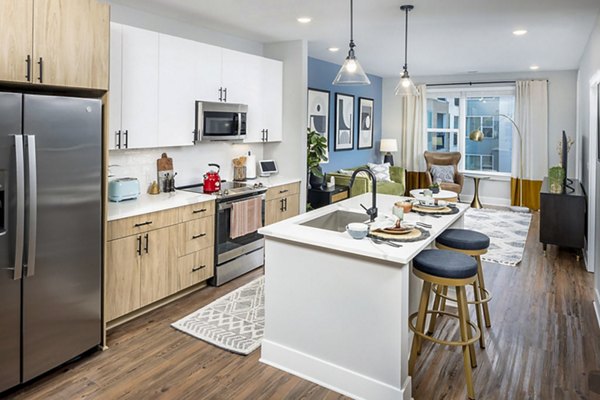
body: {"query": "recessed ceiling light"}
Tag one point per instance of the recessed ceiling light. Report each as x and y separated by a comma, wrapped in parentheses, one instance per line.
(304, 20)
(334, 49)
(519, 32)
(534, 67)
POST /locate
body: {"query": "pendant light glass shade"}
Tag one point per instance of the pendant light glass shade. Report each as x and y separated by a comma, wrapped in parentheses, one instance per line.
(406, 86)
(351, 72)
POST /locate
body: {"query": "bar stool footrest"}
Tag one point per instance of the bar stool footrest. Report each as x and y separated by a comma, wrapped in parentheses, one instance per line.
(473, 339)
(486, 299)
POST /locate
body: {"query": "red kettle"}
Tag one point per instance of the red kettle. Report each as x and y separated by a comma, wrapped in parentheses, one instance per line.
(212, 180)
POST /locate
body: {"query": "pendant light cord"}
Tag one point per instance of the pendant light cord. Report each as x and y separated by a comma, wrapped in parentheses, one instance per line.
(352, 26)
(406, 40)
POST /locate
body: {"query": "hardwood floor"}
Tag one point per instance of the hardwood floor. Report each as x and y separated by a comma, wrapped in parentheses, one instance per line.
(543, 344)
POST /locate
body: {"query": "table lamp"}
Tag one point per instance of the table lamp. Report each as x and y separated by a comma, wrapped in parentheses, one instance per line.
(387, 146)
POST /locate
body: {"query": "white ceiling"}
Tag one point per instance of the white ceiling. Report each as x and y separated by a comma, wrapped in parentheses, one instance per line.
(445, 36)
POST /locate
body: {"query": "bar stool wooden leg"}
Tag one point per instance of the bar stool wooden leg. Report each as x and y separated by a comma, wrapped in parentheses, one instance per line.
(481, 281)
(416, 342)
(463, 315)
(445, 293)
(436, 306)
(477, 293)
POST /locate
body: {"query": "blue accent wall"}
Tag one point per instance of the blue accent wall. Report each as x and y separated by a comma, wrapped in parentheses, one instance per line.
(320, 75)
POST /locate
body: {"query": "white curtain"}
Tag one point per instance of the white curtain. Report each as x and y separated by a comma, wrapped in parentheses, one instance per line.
(414, 119)
(531, 116)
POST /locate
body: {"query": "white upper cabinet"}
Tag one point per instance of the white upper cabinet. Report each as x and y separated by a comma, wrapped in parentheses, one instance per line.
(114, 123)
(133, 116)
(156, 80)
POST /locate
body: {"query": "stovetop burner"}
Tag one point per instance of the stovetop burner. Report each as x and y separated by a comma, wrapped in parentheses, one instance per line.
(230, 189)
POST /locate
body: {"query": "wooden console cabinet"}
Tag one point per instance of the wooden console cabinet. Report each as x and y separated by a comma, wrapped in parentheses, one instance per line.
(563, 216)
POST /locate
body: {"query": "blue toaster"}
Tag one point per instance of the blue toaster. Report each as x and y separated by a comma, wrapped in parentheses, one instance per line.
(123, 189)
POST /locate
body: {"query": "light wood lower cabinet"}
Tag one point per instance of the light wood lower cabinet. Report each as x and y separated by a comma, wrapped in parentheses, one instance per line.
(282, 202)
(123, 278)
(192, 269)
(159, 257)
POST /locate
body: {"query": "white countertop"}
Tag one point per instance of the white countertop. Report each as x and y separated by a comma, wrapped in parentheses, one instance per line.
(291, 230)
(147, 203)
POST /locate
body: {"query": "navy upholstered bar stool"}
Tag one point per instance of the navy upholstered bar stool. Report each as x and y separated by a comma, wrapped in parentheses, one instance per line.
(474, 244)
(445, 268)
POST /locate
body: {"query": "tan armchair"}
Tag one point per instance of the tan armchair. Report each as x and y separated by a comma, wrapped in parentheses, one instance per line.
(445, 158)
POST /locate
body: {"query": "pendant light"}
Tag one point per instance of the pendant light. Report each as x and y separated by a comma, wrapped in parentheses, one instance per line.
(351, 72)
(406, 87)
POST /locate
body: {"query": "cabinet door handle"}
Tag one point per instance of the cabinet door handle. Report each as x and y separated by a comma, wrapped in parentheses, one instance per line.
(139, 245)
(225, 92)
(281, 205)
(285, 204)
(198, 268)
(199, 236)
(284, 191)
(142, 224)
(28, 62)
(220, 94)
(199, 211)
(118, 139)
(126, 134)
(266, 130)
(41, 64)
(146, 246)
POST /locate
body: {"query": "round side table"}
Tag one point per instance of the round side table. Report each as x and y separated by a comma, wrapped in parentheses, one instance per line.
(441, 195)
(476, 178)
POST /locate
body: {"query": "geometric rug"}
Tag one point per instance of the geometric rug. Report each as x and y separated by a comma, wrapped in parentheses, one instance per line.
(234, 322)
(507, 231)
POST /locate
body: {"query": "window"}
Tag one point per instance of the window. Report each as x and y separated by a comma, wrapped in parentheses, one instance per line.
(451, 116)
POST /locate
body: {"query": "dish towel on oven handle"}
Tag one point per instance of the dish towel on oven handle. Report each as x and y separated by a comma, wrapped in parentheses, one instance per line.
(246, 217)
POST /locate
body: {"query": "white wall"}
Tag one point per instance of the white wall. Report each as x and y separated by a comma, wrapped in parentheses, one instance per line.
(145, 20)
(589, 68)
(562, 95)
(291, 153)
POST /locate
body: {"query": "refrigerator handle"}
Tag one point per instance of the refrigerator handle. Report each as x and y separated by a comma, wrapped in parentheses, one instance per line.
(20, 217)
(32, 236)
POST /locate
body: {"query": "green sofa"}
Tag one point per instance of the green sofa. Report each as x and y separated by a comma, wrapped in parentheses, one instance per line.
(362, 184)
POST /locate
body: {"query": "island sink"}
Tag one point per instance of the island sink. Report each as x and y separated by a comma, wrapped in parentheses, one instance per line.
(336, 220)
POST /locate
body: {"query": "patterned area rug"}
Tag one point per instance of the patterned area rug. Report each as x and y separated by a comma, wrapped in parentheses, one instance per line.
(507, 231)
(234, 322)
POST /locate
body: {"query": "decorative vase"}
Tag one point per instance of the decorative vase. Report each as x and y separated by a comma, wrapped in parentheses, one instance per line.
(316, 181)
(556, 179)
(434, 189)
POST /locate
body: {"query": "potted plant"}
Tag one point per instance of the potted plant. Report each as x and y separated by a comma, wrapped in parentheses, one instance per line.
(435, 188)
(316, 148)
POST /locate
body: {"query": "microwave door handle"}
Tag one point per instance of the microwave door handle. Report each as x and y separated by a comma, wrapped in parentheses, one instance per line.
(32, 234)
(239, 124)
(20, 217)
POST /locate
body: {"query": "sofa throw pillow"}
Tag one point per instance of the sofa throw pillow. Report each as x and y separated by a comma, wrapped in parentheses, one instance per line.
(443, 173)
(381, 171)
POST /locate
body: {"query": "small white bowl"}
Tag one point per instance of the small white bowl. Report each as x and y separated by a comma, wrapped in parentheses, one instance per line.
(357, 230)
(442, 203)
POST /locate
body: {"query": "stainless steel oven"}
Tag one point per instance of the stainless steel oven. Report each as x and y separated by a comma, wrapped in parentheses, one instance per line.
(235, 257)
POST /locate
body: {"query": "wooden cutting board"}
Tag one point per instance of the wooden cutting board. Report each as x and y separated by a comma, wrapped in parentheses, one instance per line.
(164, 163)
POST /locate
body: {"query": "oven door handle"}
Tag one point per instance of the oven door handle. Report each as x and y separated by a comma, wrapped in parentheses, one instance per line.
(227, 205)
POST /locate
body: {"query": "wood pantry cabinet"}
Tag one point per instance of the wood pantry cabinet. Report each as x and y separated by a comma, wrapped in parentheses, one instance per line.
(55, 42)
(282, 202)
(153, 256)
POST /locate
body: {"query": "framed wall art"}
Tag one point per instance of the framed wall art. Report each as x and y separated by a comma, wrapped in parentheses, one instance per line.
(344, 122)
(318, 114)
(365, 123)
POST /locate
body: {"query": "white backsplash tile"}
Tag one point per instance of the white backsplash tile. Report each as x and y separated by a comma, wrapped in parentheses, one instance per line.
(190, 162)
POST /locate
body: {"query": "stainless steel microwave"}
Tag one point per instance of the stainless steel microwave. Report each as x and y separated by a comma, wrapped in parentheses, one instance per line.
(220, 121)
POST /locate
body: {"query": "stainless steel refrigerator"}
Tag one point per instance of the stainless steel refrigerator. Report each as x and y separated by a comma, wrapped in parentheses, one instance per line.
(50, 232)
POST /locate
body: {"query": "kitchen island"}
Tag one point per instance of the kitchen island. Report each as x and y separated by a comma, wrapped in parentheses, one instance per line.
(336, 308)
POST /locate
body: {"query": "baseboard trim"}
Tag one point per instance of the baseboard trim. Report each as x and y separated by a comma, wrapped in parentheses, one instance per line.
(597, 306)
(341, 380)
